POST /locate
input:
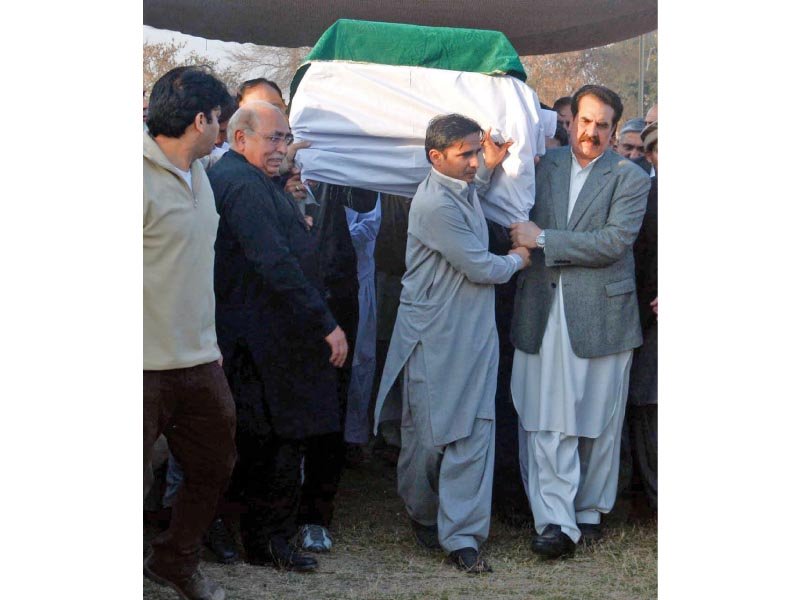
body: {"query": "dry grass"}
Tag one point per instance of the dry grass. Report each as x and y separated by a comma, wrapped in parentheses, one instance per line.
(375, 557)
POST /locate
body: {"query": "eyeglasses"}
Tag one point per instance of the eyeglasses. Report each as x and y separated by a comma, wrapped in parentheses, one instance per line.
(276, 138)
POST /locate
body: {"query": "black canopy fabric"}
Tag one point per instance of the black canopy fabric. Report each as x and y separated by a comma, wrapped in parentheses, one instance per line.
(532, 26)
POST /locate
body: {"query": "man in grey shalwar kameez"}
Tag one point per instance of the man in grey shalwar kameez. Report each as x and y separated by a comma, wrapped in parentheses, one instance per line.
(445, 343)
(575, 325)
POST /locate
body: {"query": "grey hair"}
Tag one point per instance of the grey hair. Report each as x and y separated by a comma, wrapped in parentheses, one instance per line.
(633, 125)
(248, 116)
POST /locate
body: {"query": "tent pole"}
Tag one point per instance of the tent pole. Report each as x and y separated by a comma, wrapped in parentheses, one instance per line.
(641, 76)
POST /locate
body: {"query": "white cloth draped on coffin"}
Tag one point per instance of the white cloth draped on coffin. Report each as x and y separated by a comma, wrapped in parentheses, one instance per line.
(366, 124)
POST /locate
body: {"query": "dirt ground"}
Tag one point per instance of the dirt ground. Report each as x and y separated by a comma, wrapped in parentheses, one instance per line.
(375, 557)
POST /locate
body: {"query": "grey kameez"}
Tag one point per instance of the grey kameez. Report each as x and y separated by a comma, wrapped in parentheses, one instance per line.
(445, 326)
(447, 305)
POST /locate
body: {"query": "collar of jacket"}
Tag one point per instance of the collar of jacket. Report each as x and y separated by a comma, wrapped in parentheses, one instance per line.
(274, 181)
(456, 185)
(563, 155)
(241, 158)
(152, 152)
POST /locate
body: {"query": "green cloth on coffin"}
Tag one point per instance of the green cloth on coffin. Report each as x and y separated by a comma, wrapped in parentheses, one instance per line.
(454, 49)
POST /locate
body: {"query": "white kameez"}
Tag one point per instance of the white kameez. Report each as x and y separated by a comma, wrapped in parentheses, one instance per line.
(556, 390)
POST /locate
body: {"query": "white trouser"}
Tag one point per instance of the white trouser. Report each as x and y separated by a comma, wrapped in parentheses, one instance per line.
(571, 479)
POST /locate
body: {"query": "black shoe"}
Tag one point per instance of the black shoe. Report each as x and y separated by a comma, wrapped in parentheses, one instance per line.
(196, 587)
(468, 560)
(354, 455)
(159, 518)
(221, 543)
(590, 533)
(427, 536)
(553, 543)
(285, 557)
(388, 453)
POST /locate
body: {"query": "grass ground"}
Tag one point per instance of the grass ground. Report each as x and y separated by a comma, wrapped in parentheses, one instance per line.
(374, 557)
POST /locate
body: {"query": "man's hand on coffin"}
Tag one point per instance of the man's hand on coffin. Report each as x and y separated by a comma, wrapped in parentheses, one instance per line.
(295, 187)
(288, 160)
(493, 154)
(524, 234)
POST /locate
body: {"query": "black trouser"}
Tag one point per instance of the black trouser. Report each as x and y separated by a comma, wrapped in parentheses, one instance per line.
(267, 480)
(643, 422)
(267, 475)
(509, 500)
(324, 460)
(324, 454)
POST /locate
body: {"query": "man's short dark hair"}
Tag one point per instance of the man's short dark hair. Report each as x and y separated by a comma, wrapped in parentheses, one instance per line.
(445, 130)
(561, 135)
(179, 95)
(602, 93)
(228, 107)
(251, 83)
(561, 102)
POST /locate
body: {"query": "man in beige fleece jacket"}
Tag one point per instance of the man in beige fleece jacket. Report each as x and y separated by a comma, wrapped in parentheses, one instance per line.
(186, 395)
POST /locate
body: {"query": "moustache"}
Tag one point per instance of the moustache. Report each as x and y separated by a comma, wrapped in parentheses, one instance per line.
(587, 138)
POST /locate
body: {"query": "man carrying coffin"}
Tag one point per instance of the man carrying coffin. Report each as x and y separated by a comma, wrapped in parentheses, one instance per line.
(445, 344)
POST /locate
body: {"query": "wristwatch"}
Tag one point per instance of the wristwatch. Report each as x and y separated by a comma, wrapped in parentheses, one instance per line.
(540, 240)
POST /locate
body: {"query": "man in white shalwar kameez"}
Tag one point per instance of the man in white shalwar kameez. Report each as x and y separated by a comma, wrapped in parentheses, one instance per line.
(575, 325)
(445, 344)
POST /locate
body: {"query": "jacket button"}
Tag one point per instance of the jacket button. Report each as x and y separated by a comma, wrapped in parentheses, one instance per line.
(553, 285)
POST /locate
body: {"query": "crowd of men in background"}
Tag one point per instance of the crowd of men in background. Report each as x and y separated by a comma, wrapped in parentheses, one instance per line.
(271, 304)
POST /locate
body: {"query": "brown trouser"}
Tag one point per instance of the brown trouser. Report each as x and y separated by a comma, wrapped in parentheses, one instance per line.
(194, 409)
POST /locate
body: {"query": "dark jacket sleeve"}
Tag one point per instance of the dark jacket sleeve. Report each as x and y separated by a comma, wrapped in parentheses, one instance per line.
(645, 253)
(252, 216)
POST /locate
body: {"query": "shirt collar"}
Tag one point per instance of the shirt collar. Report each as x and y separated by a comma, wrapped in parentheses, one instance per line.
(454, 184)
(576, 166)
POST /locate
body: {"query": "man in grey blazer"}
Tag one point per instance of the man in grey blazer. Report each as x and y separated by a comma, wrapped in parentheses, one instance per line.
(575, 325)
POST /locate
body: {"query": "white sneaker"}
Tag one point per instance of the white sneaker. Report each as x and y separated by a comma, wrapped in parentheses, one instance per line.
(315, 538)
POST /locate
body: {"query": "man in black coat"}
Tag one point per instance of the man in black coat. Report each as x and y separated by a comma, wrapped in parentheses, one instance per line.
(643, 391)
(639, 461)
(280, 342)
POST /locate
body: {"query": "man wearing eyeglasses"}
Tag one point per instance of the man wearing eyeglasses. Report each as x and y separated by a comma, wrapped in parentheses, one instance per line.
(280, 342)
